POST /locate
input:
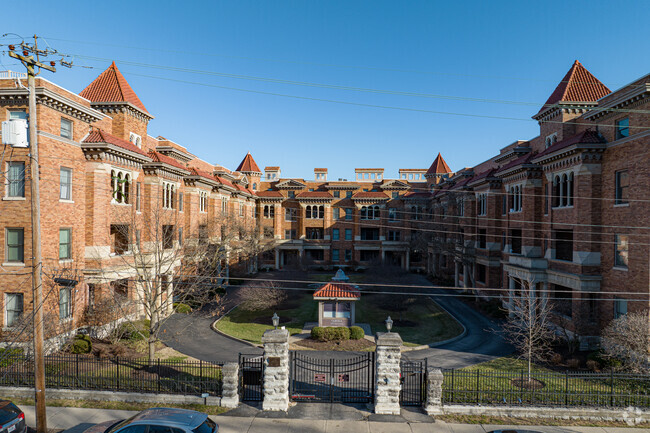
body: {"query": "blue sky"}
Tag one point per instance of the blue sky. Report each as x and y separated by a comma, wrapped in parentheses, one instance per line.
(502, 50)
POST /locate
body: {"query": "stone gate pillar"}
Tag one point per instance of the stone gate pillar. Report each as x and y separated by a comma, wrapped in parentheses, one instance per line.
(433, 405)
(387, 371)
(275, 387)
(230, 374)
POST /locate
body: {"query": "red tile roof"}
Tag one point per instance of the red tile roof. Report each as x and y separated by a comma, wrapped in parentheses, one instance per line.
(416, 194)
(111, 86)
(315, 194)
(519, 161)
(197, 172)
(99, 136)
(337, 290)
(370, 194)
(272, 168)
(321, 170)
(578, 85)
(159, 157)
(271, 194)
(248, 164)
(439, 166)
(225, 181)
(588, 136)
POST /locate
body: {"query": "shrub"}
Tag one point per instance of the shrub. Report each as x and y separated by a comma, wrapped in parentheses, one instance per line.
(556, 359)
(593, 365)
(356, 333)
(573, 363)
(81, 344)
(337, 334)
(135, 331)
(8, 356)
(118, 350)
(318, 333)
(182, 308)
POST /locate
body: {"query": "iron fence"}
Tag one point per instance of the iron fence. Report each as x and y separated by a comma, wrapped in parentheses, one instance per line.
(83, 372)
(605, 389)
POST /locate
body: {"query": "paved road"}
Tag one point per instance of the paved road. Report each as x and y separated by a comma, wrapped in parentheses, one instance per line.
(194, 336)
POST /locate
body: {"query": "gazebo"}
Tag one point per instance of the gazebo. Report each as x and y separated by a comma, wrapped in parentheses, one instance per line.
(336, 302)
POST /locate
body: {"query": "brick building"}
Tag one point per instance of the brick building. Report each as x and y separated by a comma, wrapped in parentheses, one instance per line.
(566, 210)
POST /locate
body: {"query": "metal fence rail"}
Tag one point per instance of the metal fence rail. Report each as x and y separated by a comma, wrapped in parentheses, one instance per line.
(607, 389)
(115, 374)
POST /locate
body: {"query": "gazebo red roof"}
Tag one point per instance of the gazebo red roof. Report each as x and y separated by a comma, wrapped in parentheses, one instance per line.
(337, 290)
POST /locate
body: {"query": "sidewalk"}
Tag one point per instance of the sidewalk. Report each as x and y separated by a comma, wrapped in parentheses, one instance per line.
(76, 420)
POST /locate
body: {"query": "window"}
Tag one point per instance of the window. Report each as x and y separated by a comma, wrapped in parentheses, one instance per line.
(335, 255)
(66, 128)
(314, 232)
(482, 235)
(120, 185)
(563, 300)
(546, 199)
(181, 198)
(370, 212)
(620, 308)
(241, 210)
(138, 197)
(348, 194)
(224, 206)
(369, 234)
(515, 198)
(290, 214)
(504, 204)
(348, 234)
(64, 303)
(394, 235)
(314, 212)
(461, 206)
(254, 186)
(168, 237)
(348, 255)
(348, 214)
(395, 194)
(336, 213)
(564, 245)
(622, 184)
(337, 194)
(621, 254)
(203, 201)
(65, 244)
(335, 234)
(135, 139)
(368, 255)
(269, 211)
(623, 128)
(292, 194)
(480, 273)
(15, 245)
(515, 241)
(315, 254)
(392, 214)
(16, 179)
(120, 239)
(290, 234)
(551, 140)
(65, 190)
(481, 203)
(13, 308)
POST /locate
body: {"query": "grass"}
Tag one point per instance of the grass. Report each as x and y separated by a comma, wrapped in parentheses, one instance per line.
(495, 383)
(118, 405)
(240, 323)
(499, 420)
(430, 322)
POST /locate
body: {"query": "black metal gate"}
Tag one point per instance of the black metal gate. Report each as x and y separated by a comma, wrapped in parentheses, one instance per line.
(413, 379)
(326, 379)
(251, 369)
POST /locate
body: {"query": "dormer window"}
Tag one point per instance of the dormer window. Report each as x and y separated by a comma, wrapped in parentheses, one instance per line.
(623, 128)
(135, 139)
(551, 140)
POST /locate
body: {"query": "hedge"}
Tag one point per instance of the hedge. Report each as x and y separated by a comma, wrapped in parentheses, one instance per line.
(330, 334)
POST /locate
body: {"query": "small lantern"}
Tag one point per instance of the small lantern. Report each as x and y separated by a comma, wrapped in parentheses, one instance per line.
(389, 324)
(276, 320)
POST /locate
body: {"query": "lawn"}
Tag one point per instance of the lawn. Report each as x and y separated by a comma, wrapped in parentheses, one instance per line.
(497, 381)
(245, 325)
(418, 320)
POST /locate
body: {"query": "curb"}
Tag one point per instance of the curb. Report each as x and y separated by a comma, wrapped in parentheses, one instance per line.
(214, 328)
(440, 343)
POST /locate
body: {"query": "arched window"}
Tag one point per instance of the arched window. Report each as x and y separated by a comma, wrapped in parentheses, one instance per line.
(321, 211)
(127, 189)
(570, 190)
(254, 187)
(556, 191)
(564, 190)
(308, 212)
(364, 213)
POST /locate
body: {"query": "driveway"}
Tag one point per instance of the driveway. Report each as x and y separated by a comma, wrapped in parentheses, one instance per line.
(194, 336)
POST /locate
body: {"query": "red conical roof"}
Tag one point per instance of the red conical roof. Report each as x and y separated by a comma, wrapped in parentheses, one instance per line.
(578, 85)
(111, 86)
(439, 166)
(248, 165)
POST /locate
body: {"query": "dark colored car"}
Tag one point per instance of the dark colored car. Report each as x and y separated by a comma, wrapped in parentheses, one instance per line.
(12, 419)
(159, 420)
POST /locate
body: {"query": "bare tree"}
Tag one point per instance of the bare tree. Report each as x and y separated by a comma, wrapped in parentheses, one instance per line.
(528, 326)
(260, 295)
(628, 338)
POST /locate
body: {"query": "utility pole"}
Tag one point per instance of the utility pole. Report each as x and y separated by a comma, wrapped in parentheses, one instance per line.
(31, 64)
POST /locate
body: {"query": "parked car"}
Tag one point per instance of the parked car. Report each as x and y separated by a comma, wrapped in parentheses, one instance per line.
(159, 420)
(12, 419)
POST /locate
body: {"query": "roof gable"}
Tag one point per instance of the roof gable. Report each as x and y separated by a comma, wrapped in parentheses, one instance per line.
(248, 165)
(111, 86)
(99, 136)
(395, 184)
(439, 166)
(291, 184)
(578, 85)
(338, 290)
